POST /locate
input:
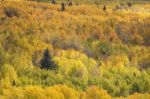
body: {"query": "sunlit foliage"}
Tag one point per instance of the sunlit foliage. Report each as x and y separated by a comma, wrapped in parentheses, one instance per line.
(99, 54)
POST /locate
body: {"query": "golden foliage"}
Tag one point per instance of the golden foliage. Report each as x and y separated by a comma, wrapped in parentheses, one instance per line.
(29, 27)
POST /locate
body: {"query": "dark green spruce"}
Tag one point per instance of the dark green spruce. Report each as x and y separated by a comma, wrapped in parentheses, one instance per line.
(47, 61)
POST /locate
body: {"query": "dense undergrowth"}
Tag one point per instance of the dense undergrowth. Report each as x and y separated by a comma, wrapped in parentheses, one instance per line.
(100, 54)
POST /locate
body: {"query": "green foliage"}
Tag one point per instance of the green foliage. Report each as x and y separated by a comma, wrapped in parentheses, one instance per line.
(122, 81)
(103, 50)
(3, 57)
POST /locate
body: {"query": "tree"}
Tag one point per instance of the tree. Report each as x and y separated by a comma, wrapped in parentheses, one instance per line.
(12, 12)
(70, 3)
(53, 2)
(129, 4)
(62, 6)
(104, 7)
(47, 61)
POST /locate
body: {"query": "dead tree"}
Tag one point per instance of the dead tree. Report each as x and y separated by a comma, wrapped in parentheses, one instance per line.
(62, 6)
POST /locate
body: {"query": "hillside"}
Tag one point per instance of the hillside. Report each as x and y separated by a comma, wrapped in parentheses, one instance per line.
(93, 53)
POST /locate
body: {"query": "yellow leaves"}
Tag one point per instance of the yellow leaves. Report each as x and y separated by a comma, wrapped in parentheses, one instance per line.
(67, 64)
(71, 60)
(15, 0)
(77, 22)
(116, 61)
(39, 46)
(24, 93)
(79, 71)
(8, 73)
(35, 26)
(35, 92)
(14, 92)
(52, 93)
(62, 92)
(55, 92)
(7, 77)
(71, 54)
(138, 39)
(68, 93)
(136, 96)
(94, 92)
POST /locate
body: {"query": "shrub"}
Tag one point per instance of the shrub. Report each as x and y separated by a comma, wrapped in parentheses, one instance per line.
(12, 12)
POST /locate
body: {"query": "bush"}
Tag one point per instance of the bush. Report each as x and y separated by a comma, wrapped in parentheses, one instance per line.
(12, 12)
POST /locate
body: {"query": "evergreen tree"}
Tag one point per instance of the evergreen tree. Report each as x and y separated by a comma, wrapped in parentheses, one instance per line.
(47, 61)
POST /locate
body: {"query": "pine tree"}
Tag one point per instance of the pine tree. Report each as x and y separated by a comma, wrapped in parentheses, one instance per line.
(47, 61)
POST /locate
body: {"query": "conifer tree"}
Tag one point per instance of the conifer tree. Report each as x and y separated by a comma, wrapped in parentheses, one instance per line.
(47, 61)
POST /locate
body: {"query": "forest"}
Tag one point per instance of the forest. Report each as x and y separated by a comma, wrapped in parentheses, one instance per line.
(74, 49)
